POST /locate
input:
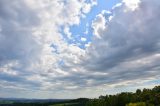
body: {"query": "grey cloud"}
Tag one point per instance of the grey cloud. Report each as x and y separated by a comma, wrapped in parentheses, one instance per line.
(111, 59)
(26, 33)
(20, 81)
(129, 36)
(16, 41)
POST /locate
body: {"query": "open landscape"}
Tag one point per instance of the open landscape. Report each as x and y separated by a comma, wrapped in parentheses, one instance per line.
(145, 97)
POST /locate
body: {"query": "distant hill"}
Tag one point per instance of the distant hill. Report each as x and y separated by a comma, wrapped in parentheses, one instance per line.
(145, 97)
(23, 100)
(42, 102)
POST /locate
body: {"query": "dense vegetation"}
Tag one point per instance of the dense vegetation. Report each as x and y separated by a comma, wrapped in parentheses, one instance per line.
(146, 97)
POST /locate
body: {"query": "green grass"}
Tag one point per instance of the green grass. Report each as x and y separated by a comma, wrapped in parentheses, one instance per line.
(65, 104)
(6, 102)
(139, 104)
(58, 105)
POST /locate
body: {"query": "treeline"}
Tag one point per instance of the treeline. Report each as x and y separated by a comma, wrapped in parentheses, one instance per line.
(145, 97)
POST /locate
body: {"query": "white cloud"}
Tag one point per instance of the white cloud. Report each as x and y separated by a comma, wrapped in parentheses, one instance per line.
(83, 39)
(98, 25)
(29, 28)
(35, 57)
(128, 48)
(67, 32)
(132, 4)
(88, 44)
(86, 8)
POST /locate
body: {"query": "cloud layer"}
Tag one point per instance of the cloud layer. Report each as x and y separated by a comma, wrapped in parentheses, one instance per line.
(127, 49)
(36, 60)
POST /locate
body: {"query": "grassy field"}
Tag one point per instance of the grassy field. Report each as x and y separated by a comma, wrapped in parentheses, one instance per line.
(65, 104)
(6, 102)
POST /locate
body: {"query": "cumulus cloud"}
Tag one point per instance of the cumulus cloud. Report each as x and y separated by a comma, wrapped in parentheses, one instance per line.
(32, 46)
(132, 4)
(98, 25)
(129, 46)
(83, 39)
(35, 58)
(67, 32)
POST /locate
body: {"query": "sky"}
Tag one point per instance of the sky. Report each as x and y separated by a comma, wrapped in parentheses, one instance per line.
(65, 49)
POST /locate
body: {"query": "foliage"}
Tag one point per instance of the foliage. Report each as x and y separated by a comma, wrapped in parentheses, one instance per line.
(137, 104)
(145, 97)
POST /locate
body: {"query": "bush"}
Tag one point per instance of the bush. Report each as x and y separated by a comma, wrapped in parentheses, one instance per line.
(139, 104)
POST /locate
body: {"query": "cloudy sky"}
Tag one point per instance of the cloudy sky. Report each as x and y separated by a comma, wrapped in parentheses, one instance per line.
(78, 48)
